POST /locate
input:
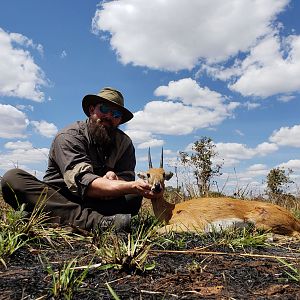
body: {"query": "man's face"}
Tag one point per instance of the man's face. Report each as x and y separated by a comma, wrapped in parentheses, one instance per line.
(103, 123)
(106, 115)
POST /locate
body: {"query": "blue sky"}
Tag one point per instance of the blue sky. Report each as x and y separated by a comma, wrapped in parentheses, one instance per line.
(228, 70)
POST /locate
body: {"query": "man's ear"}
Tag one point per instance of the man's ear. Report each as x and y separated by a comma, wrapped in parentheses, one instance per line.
(142, 175)
(168, 175)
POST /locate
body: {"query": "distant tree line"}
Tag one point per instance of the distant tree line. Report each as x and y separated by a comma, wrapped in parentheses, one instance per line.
(200, 161)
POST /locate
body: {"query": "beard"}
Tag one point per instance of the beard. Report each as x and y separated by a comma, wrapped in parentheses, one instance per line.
(102, 135)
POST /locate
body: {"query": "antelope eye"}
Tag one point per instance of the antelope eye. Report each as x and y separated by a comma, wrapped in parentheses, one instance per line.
(164, 175)
(148, 175)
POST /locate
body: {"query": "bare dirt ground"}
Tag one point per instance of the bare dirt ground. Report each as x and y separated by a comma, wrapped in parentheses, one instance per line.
(193, 270)
(197, 272)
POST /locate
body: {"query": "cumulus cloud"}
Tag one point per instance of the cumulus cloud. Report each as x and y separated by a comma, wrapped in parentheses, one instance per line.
(44, 128)
(189, 92)
(286, 136)
(22, 153)
(209, 37)
(271, 67)
(232, 153)
(20, 76)
(161, 117)
(257, 170)
(23, 40)
(269, 70)
(152, 143)
(293, 164)
(25, 145)
(152, 33)
(139, 136)
(144, 139)
(266, 148)
(187, 107)
(13, 122)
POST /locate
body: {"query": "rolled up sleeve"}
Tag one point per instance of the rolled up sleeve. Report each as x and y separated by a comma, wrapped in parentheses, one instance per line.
(75, 166)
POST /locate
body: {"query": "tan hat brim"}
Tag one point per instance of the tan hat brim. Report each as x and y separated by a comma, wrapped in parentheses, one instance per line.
(89, 100)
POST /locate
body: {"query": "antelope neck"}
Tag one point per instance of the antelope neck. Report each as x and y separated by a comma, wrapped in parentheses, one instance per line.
(162, 209)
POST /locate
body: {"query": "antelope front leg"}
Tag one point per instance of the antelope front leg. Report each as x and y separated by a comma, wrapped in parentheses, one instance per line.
(173, 228)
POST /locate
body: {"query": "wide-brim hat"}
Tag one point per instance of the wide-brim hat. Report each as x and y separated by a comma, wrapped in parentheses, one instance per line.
(110, 96)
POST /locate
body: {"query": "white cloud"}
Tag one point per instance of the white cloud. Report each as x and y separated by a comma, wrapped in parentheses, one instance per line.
(152, 143)
(153, 33)
(13, 122)
(257, 170)
(287, 136)
(25, 107)
(269, 70)
(144, 139)
(142, 158)
(25, 145)
(247, 183)
(139, 136)
(22, 153)
(172, 118)
(194, 107)
(272, 67)
(286, 98)
(44, 128)
(23, 40)
(169, 152)
(189, 92)
(266, 148)
(232, 153)
(19, 76)
(293, 164)
(63, 54)
(251, 105)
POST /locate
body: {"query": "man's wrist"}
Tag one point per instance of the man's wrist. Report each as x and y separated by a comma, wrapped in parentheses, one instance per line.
(103, 187)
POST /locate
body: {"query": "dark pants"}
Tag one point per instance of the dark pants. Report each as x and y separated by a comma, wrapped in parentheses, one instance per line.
(20, 187)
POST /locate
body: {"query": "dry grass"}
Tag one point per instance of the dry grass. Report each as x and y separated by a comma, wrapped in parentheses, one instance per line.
(3, 205)
(179, 266)
(290, 202)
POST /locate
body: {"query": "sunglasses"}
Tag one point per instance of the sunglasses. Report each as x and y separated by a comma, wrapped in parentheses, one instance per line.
(105, 109)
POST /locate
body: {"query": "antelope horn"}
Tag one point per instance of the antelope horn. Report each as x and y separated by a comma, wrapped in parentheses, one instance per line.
(149, 159)
(162, 158)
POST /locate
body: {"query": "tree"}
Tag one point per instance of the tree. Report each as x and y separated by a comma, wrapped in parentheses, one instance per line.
(201, 161)
(278, 180)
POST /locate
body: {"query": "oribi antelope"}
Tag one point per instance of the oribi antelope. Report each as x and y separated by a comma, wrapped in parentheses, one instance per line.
(207, 214)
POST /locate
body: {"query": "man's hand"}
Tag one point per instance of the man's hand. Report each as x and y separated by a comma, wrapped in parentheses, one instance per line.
(111, 175)
(143, 188)
(110, 186)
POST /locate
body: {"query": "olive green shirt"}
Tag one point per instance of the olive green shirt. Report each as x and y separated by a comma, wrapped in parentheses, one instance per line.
(75, 159)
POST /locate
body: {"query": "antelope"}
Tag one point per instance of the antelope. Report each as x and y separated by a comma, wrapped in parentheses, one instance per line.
(208, 214)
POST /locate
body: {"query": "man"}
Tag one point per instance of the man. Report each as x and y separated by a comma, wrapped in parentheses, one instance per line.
(90, 179)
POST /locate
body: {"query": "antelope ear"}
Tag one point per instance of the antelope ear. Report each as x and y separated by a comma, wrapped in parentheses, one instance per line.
(168, 175)
(142, 175)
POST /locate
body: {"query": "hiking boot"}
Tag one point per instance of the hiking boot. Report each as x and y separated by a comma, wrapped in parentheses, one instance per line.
(118, 222)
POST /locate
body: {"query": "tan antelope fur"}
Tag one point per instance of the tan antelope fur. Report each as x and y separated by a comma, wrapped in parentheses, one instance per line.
(207, 214)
